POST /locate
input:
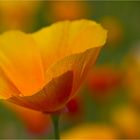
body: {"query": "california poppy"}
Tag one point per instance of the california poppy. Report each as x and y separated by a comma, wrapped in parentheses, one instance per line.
(44, 70)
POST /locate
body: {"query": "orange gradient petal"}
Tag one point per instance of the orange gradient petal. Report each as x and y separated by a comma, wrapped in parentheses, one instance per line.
(70, 46)
(68, 49)
(79, 64)
(52, 97)
(20, 62)
(66, 38)
(7, 89)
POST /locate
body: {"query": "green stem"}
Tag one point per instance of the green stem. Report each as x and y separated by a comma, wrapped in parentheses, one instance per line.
(55, 120)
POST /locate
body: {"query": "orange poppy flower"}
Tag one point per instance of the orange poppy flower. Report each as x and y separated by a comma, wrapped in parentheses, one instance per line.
(43, 70)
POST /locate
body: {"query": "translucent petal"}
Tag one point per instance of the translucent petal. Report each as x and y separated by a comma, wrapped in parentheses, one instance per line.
(52, 97)
(68, 37)
(20, 61)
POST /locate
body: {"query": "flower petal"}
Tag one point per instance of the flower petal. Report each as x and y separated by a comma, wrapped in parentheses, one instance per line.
(79, 64)
(20, 62)
(66, 38)
(53, 97)
(7, 89)
(68, 49)
(65, 79)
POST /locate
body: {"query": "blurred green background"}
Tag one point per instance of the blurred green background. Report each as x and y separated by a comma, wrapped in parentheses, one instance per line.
(112, 87)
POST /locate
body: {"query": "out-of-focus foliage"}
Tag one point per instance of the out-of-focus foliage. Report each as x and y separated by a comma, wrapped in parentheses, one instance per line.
(110, 100)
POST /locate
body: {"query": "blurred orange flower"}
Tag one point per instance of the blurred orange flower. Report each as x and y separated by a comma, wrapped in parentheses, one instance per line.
(103, 79)
(126, 119)
(62, 10)
(91, 131)
(43, 70)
